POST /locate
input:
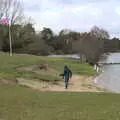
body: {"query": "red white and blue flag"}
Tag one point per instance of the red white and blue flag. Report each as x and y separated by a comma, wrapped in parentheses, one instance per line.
(5, 21)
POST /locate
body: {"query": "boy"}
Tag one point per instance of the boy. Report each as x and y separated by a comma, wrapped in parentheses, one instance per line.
(66, 75)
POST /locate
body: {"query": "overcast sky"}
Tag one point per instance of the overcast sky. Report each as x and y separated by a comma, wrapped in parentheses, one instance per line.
(78, 15)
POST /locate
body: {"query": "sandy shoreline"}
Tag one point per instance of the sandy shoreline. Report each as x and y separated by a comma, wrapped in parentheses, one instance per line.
(76, 84)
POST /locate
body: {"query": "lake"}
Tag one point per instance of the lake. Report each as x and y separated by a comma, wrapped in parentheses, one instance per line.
(110, 78)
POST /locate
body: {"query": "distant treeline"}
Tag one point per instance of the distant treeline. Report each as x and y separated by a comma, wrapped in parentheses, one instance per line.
(91, 44)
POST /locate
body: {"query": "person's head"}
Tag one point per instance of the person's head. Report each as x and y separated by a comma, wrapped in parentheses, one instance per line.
(65, 67)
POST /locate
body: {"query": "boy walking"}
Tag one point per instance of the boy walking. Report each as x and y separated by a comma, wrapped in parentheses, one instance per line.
(67, 75)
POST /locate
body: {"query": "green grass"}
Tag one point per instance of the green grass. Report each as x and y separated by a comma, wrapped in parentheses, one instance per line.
(9, 64)
(19, 103)
(76, 66)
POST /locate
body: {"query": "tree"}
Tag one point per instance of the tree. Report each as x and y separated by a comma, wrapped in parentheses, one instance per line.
(28, 33)
(4, 41)
(99, 33)
(93, 49)
(21, 36)
(67, 37)
(47, 35)
(112, 45)
(38, 46)
(89, 46)
(64, 32)
(78, 45)
(12, 10)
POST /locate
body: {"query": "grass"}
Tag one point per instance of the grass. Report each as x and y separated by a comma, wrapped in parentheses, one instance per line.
(76, 66)
(19, 103)
(9, 64)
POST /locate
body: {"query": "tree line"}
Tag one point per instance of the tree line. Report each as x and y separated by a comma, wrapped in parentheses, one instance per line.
(89, 45)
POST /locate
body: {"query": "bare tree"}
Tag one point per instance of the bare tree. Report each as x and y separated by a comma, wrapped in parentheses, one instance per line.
(90, 48)
(2, 7)
(11, 9)
(99, 33)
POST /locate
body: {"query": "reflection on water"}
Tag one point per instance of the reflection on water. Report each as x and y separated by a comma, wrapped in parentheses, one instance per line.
(110, 78)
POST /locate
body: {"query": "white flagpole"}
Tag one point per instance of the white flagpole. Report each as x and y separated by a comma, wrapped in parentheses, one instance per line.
(10, 40)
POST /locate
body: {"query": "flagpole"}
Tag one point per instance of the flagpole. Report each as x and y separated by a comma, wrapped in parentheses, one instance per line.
(10, 40)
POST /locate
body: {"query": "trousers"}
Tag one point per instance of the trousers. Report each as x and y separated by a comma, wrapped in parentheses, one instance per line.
(66, 78)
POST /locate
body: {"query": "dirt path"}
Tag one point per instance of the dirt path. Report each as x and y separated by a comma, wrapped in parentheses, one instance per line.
(76, 84)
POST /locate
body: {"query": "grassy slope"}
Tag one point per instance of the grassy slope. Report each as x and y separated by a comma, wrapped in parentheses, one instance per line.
(19, 103)
(9, 64)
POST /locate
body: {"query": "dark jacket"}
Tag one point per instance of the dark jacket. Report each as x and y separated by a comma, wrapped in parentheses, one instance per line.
(67, 73)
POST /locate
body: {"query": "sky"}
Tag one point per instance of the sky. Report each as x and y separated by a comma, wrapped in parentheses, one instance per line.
(77, 15)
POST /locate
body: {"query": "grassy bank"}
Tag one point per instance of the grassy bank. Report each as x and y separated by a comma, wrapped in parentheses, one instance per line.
(9, 65)
(19, 103)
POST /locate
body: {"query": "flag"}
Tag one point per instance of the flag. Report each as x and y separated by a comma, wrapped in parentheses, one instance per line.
(5, 21)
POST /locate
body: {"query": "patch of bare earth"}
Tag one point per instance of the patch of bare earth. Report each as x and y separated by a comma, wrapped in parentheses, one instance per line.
(76, 84)
(8, 81)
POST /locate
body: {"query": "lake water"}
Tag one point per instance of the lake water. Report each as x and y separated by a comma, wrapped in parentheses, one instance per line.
(110, 78)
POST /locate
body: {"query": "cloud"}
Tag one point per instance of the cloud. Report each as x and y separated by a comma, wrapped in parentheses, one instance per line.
(77, 15)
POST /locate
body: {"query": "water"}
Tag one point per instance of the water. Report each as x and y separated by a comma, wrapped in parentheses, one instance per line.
(74, 56)
(112, 58)
(110, 78)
